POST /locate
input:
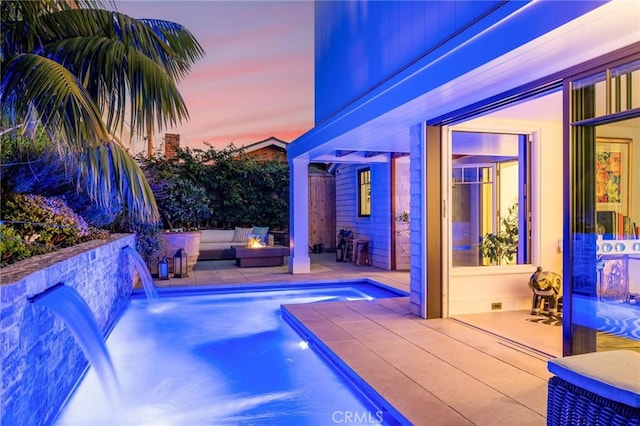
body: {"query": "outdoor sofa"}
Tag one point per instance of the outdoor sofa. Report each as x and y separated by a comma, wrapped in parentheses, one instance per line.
(215, 244)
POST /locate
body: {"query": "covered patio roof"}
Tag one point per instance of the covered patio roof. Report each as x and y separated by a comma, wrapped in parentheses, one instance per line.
(456, 75)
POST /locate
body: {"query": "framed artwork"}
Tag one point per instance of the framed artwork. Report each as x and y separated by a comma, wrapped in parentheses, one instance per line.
(612, 174)
(614, 278)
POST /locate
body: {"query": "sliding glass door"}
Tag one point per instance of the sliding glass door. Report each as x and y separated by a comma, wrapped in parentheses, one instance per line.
(604, 205)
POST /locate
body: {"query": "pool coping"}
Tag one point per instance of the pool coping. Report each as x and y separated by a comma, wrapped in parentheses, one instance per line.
(340, 366)
(242, 287)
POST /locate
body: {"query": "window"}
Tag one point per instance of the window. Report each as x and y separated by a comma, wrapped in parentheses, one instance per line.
(364, 193)
(490, 207)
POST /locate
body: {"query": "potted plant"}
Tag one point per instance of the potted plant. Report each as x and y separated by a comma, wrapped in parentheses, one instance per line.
(182, 203)
(503, 245)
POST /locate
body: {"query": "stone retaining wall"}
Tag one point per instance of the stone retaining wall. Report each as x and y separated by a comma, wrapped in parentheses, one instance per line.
(41, 362)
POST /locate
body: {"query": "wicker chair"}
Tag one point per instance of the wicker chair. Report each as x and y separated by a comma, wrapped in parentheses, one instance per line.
(568, 404)
(598, 388)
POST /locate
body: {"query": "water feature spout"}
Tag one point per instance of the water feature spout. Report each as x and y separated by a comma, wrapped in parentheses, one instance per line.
(67, 304)
(145, 276)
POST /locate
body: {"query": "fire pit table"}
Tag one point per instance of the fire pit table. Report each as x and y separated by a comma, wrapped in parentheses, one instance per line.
(260, 256)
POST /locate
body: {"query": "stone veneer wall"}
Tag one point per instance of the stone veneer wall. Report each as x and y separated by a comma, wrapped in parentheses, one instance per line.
(41, 361)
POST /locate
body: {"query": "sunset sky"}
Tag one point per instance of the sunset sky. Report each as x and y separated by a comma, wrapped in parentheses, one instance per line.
(256, 79)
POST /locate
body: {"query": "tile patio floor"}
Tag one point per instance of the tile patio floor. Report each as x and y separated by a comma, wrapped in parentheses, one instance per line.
(434, 372)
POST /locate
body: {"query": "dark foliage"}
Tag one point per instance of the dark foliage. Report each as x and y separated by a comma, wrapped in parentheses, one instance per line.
(239, 190)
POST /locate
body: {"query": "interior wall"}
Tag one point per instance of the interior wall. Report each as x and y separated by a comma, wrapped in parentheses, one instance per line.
(475, 289)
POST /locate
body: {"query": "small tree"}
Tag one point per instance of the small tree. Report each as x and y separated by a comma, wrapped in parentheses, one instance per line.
(503, 245)
(182, 202)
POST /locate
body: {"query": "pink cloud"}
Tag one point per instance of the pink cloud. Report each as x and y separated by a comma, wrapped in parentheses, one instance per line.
(256, 79)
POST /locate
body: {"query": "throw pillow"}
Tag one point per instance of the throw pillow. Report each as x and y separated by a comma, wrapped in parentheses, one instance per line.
(263, 231)
(241, 234)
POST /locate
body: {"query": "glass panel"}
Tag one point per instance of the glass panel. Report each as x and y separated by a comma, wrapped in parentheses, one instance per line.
(590, 97)
(597, 97)
(471, 175)
(625, 79)
(456, 176)
(472, 216)
(605, 245)
(486, 175)
(484, 208)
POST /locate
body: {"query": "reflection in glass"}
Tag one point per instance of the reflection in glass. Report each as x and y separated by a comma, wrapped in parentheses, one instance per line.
(605, 267)
(489, 205)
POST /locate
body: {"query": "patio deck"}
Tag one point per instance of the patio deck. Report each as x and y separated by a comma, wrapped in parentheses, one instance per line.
(434, 372)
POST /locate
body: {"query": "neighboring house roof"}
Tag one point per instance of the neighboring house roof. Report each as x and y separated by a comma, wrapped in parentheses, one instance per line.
(271, 141)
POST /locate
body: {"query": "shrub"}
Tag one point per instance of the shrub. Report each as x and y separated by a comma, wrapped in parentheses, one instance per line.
(240, 190)
(182, 200)
(12, 247)
(45, 221)
(36, 167)
(149, 242)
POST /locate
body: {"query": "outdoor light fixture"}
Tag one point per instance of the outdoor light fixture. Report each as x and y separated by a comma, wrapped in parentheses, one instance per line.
(163, 269)
(340, 253)
(180, 264)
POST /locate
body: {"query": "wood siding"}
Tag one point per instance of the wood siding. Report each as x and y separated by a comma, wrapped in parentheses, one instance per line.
(376, 40)
(377, 227)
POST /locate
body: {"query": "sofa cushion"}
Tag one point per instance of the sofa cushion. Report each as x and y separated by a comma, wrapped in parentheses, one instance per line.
(241, 234)
(263, 231)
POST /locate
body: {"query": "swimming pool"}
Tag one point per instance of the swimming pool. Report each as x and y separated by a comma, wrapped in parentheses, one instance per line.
(225, 356)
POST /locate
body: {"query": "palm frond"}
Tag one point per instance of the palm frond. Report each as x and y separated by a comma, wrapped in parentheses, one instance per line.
(181, 41)
(114, 73)
(112, 53)
(78, 70)
(109, 172)
(35, 83)
(168, 44)
(19, 22)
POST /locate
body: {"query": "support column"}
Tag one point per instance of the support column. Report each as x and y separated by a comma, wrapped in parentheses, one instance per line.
(426, 221)
(417, 226)
(299, 261)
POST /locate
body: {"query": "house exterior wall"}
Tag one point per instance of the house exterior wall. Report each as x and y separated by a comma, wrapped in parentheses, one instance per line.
(504, 53)
(171, 145)
(377, 227)
(417, 271)
(360, 44)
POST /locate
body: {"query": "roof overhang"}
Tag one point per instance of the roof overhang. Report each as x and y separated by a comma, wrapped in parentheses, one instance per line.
(380, 121)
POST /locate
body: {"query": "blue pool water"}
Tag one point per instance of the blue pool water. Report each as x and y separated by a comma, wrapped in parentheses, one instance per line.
(223, 358)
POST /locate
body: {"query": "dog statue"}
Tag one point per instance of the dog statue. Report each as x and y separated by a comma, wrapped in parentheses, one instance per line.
(545, 284)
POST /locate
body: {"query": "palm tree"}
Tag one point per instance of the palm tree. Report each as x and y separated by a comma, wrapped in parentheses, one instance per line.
(78, 72)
